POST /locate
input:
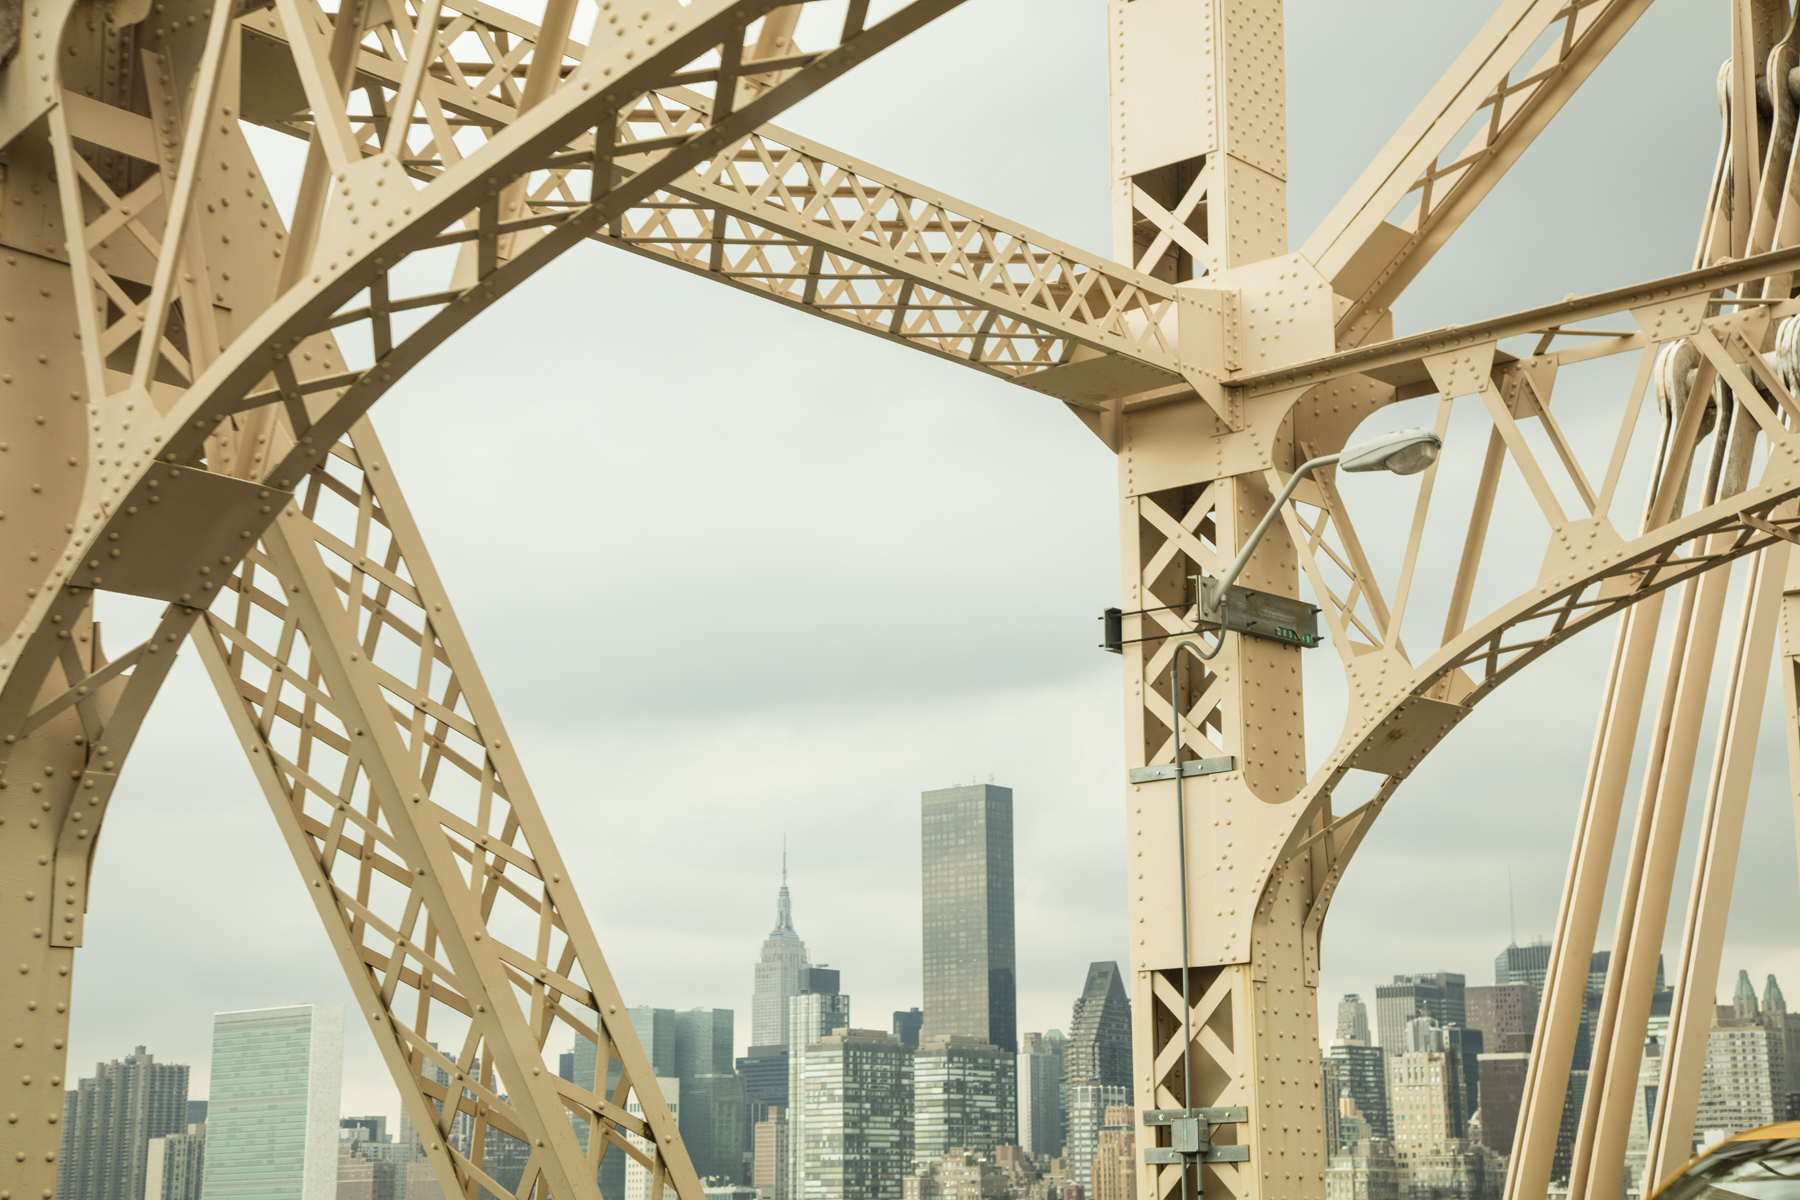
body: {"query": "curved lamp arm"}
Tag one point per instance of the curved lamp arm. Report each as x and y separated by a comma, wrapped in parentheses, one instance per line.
(1403, 452)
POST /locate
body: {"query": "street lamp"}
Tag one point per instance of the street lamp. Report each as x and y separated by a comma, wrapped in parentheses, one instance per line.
(1404, 452)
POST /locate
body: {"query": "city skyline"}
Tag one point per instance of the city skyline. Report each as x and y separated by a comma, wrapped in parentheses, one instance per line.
(1040, 709)
(294, 1055)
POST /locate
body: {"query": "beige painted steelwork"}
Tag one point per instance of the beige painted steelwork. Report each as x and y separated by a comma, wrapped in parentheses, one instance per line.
(184, 417)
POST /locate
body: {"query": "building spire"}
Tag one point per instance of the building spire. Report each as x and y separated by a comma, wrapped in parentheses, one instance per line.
(784, 905)
(1744, 1000)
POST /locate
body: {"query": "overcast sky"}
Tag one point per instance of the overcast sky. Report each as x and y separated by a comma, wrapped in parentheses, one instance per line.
(735, 576)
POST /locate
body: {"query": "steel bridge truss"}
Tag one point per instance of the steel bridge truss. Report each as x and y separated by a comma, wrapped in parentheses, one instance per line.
(185, 405)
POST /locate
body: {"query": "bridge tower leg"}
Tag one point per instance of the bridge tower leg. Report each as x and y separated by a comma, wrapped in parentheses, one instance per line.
(1199, 198)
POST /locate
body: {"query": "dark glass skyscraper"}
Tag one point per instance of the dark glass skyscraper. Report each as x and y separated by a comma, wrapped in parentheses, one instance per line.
(970, 984)
(1099, 1046)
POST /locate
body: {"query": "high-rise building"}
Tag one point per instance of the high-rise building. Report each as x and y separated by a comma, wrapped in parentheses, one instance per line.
(1099, 1047)
(1500, 1011)
(1425, 1092)
(712, 1096)
(1438, 995)
(764, 1070)
(770, 1172)
(712, 1124)
(1352, 1020)
(1040, 1084)
(1467, 1045)
(703, 1041)
(963, 1097)
(907, 1025)
(656, 1029)
(1743, 1084)
(1361, 1072)
(1524, 964)
(175, 1165)
(1088, 1103)
(1564, 1155)
(855, 1098)
(271, 1124)
(811, 1017)
(1114, 1173)
(637, 1177)
(1643, 1103)
(970, 984)
(777, 972)
(108, 1122)
(1502, 1095)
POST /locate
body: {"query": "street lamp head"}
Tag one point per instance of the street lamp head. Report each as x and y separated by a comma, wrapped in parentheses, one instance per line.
(1404, 452)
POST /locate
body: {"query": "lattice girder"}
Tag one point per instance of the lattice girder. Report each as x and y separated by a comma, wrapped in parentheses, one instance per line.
(388, 769)
(206, 360)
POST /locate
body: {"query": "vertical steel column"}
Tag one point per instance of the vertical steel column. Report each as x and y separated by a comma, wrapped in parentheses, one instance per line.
(1199, 178)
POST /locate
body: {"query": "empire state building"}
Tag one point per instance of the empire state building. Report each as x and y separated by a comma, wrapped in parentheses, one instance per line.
(778, 974)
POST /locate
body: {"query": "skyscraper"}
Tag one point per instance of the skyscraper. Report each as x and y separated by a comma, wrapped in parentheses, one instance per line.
(1524, 964)
(1362, 1076)
(1502, 1095)
(1425, 1089)
(907, 1025)
(656, 1030)
(855, 1100)
(272, 1118)
(1501, 1011)
(1088, 1103)
(764, 1071)
(1040, 1084)
(771, 1156)
(970, 985)
(811, 1017)
(963, 1098)
(712, 1095)
(1352, 1020)
(1438, 995)
(1745, 1072)
(637, 1181)
(175, 1166)
(108, 1122)
(1099, 1046)
(778, 972)
(1114, 1173)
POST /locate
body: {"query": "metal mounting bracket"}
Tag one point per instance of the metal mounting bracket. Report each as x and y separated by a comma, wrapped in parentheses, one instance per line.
(1189, 769)
(1190, 1135)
